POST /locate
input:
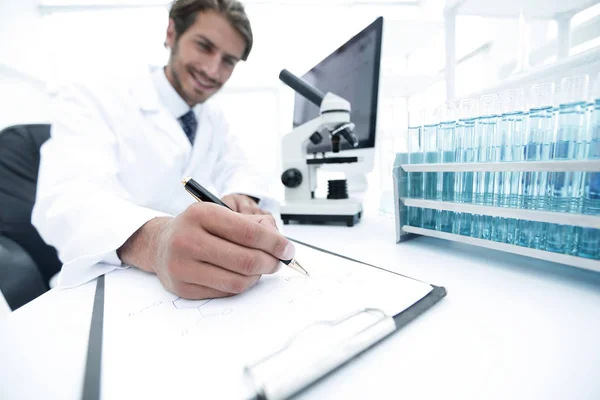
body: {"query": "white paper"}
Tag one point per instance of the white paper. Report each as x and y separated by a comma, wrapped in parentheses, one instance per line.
(157, 345)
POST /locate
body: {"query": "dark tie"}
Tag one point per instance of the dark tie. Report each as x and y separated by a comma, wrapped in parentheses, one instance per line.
(189, 125)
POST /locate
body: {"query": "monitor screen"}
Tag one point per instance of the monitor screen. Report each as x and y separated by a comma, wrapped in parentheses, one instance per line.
(352, 72)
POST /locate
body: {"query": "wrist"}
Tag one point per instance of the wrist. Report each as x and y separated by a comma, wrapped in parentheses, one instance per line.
(139, 250)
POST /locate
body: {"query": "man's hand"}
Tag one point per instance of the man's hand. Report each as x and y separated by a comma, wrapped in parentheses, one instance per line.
(208, 251)
(243, 204)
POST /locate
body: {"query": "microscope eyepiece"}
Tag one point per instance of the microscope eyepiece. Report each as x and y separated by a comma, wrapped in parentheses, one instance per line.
(302, 87)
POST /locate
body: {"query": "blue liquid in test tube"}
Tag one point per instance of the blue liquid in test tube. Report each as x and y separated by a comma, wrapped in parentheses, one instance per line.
(487, 125)
(509, 146)
(415, 179)
(463, 186)
(539, 138)
(447, 146)
(566, 188)
(431, 152)
(589, 239)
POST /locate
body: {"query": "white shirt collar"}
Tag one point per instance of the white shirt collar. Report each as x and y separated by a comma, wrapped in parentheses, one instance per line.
(168, 95)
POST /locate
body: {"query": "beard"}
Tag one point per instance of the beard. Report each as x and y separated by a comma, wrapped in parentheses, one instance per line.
(177, 84)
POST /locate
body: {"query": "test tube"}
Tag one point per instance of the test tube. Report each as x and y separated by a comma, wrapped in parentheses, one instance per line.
(447, 146)
(431, 156)
(465, 137)
(415, 179)
(589, 239)
(487, 125)
(566, 187)
(539, 137)
(509, 146)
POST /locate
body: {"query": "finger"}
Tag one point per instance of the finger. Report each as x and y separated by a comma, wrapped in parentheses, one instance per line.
(268, 221)
(251, 207)
(230, 202)
(220, 279)
(197, 292)
(248, 207)
(256, 210)
(234, 257)
(243, 230)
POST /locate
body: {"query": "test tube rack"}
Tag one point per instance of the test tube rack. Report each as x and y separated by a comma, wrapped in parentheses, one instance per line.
(405, 232)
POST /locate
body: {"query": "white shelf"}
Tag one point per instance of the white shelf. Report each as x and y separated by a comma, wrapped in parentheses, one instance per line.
(580, 262)
(585, 62)
(406, 84)
(585, 221)
(536, 9)
(529, 166)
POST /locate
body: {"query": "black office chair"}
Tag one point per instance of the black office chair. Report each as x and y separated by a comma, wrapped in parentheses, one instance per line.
(26, 262)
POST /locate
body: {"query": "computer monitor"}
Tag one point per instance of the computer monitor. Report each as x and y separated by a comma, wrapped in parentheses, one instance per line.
(352, 72)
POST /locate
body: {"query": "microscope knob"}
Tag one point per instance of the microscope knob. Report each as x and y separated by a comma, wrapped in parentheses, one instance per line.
(316, 138)
(291, 177)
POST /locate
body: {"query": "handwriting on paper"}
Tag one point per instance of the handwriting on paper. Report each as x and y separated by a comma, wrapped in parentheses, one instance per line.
(293, 292)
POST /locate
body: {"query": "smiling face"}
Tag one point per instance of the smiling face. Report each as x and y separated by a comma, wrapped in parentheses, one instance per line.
(203, 57)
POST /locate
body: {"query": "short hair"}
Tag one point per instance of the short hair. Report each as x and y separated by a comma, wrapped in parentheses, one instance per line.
(184, 13)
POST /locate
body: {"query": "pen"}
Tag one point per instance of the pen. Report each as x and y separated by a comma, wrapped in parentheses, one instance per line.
(201, 194)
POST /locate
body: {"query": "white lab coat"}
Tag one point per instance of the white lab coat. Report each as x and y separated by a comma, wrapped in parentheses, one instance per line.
(115, 160)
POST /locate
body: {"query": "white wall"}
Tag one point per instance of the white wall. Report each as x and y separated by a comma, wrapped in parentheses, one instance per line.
(23, 64)
(21, 32)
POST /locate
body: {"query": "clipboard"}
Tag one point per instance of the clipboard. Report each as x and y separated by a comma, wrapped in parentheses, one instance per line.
(339, 341)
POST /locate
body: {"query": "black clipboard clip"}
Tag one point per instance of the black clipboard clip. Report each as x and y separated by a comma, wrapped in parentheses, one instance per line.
(316, 351)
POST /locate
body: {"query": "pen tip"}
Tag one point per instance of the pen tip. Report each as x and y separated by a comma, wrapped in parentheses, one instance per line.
(186, 180)
(301, 268)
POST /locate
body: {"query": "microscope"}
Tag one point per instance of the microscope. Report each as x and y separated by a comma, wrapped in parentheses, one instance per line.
(300, 173)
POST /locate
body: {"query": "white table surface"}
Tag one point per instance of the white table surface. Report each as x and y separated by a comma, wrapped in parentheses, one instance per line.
(509, 328)
(4, 308)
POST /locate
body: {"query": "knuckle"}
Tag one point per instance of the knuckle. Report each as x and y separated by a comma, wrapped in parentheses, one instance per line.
(202, 212)
(196, 210)
(182, 247)
(238, 285)
(213, 215)
(251, 234)
(174, 269)
(179, 242)
(248, 263)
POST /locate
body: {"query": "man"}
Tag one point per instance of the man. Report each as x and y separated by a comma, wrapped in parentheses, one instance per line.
(109, 190)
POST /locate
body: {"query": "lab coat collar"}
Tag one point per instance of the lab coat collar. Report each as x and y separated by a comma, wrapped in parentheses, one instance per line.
(145, 94)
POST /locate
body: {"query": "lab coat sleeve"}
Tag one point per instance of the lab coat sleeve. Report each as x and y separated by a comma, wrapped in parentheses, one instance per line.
(81, 208)
(235, 174)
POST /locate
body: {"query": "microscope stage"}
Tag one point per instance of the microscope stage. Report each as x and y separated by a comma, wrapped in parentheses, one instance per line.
(319, 211)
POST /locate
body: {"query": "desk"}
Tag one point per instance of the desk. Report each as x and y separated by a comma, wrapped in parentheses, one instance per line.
(510, 328)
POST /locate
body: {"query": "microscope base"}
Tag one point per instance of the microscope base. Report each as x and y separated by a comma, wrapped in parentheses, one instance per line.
(322, 211)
